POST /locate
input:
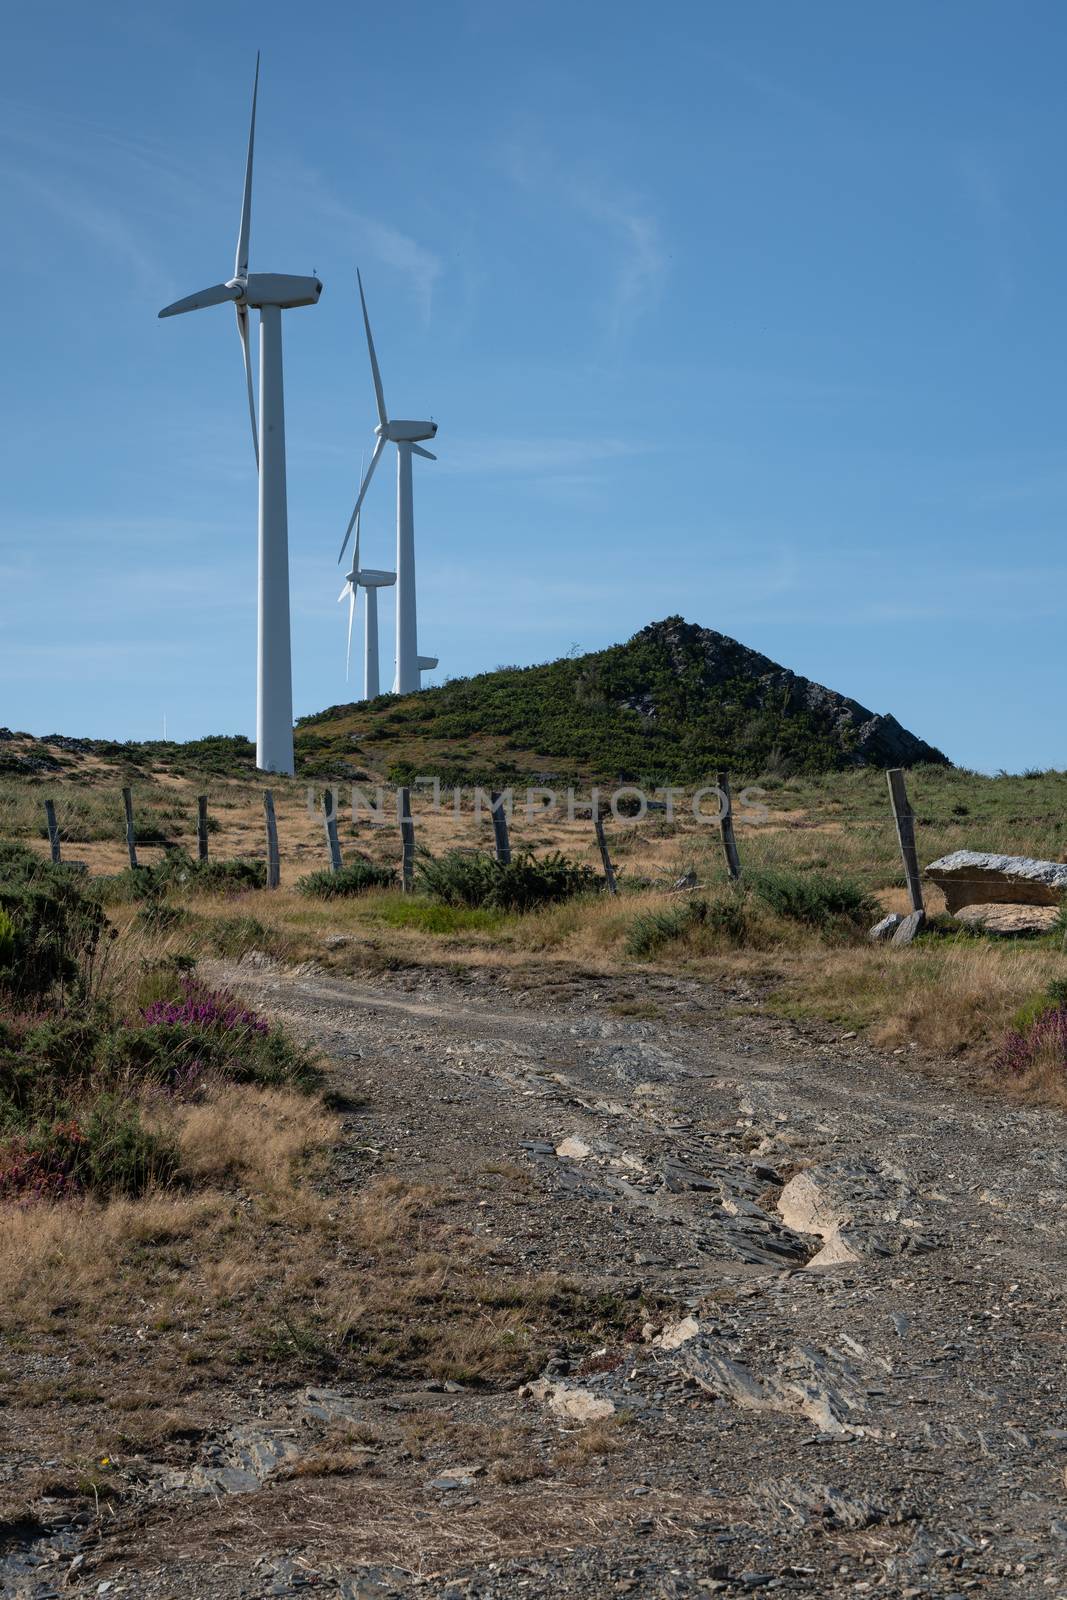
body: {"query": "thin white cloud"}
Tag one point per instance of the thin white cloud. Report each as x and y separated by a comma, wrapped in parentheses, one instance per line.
(641, 262)
(103, 225)
(388, 244)
(638, 260)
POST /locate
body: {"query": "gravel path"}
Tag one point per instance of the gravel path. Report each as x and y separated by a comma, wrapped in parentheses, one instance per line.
(859, 1389)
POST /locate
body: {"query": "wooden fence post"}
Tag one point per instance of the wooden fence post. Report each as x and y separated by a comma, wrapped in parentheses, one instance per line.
(131, 841)
(53, 830)
(609, 870)
(201, 827)
(407, 839)
(273, 862)
(726, 826)
(904, 818)
(500, 827)
(329, 817)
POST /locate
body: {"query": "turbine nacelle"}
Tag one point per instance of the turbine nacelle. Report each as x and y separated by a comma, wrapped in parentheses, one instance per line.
(406, 432)
(371, 578)
(280, 289)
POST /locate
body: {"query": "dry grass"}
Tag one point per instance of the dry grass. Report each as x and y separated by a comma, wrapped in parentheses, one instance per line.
(251, 1136)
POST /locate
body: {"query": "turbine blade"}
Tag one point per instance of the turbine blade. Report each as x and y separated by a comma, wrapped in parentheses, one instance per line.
(240, 269)
(242, 331)
(378, 448)
(419, 451)
(217, 295)
(351, 615)
(355, 554)
(378, 394)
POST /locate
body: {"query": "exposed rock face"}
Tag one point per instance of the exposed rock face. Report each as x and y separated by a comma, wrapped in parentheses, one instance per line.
(711, 662)
(975, 878)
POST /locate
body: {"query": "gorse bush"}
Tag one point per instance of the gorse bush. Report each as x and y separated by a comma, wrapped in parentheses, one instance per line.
(478, 880)
(178, 871)
(818, 899)
(53, 928)
(355, 878)
(725, 921)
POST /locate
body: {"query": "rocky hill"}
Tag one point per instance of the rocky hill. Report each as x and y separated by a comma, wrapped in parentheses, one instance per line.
(670, 705)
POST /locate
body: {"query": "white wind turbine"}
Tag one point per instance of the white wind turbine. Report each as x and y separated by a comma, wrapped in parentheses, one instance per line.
(409, 664)
(370, 580)
(270, 294)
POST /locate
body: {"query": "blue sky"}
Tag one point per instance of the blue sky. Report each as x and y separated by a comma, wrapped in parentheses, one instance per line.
(752, 313)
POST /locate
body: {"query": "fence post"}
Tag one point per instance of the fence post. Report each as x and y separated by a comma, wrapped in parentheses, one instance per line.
(201, 827)
(609, 870)
(131, 842)
(500, 827)
(273, 862)
(726, 826)
(329, 817)
(407, 839)
(53, 830)
(904, 818)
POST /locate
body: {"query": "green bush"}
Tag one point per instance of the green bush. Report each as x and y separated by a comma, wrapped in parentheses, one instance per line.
(211, 876)
(462, 878)
(234, 936)
(724, 919)
(159, 917)
(178, 870)
(54, 928)
(818, 899)
(355, 878)
(7, 939)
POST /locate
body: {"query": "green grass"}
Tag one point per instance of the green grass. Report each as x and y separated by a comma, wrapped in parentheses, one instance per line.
(430, 917)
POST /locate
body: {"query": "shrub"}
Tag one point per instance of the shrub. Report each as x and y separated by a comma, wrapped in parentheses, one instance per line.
(818, 899)
(54, 928)
(475, 879)
(211, 877)
(356, 878)
(234, 936)
(724, 919)
(158, 917)
(1042, 1044)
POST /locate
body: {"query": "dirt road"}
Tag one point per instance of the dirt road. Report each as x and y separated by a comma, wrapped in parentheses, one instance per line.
(855, 1385)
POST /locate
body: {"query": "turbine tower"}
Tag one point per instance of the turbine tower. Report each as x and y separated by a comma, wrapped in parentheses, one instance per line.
(370, 580)
(270, 294)
(405, 436)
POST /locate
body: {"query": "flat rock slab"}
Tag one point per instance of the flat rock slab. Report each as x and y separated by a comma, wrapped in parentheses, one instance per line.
(973, 877)
(1009, 920)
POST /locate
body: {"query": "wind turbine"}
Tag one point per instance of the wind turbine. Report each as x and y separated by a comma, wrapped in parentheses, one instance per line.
(370, 580)
(270, 294)
(409, 664)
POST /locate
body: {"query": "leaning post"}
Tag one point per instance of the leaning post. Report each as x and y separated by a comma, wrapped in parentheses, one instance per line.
(273, 860)
(609, 870)
(500, 827)
(131, 840)
(904, 818)
(407, 838)
(53, 829)
(726, 826)
(201, 827)
(329, 817)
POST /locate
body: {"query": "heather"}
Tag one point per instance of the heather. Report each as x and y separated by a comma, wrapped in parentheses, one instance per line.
(85, 1065)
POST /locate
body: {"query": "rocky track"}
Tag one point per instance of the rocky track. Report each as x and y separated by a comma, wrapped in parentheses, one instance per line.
(859, 1389)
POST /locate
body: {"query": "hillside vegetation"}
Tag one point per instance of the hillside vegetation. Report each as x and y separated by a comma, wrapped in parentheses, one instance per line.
(669, 706)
